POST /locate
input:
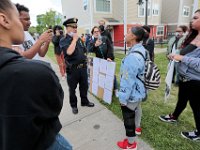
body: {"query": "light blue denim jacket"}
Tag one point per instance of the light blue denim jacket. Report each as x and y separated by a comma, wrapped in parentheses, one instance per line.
(189, 67)
(131, 88)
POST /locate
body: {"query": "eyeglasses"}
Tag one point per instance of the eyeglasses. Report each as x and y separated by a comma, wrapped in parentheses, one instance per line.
(96, 31)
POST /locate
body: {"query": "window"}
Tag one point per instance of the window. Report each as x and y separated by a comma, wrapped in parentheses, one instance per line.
(103, 5)
(85, 5)
(142, 11)
(155, 10)
(186, 11)
(160, 30)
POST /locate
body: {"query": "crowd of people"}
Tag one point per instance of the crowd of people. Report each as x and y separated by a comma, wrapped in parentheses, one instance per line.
(23, 108)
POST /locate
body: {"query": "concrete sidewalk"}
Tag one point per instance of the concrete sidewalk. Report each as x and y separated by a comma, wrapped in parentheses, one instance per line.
(92, 128)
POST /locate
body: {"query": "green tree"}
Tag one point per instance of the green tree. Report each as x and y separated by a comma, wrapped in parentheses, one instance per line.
(49, 19)
(32, 30)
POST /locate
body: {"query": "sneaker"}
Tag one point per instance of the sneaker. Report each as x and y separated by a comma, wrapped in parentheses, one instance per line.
(168, 118)
(191, 135)
(138, 131)
(126, 146)
(75, 110)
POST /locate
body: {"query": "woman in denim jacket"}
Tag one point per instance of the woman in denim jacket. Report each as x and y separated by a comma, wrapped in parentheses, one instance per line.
(132, 90)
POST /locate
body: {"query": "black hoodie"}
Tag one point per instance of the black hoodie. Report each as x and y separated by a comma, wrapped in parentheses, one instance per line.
(31, 99)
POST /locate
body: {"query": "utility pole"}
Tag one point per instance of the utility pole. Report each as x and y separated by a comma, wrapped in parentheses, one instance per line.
(125, 24)
(146, 13)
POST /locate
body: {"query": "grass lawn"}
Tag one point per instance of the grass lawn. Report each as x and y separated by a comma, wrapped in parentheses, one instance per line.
(160, 135)
(160, 45)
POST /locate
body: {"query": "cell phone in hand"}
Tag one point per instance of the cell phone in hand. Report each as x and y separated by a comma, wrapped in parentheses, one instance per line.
(100, 38)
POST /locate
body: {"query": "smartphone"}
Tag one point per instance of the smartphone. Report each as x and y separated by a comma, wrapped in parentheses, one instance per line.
(100, 38)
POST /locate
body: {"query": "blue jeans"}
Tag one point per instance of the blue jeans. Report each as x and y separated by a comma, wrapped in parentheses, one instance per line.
(60, 143)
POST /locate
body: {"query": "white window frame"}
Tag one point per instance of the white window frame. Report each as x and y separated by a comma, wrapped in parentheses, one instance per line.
(187, 10)
(155, 8)
(163, 29)
(85, 3)
(103, 12)
(143, 6)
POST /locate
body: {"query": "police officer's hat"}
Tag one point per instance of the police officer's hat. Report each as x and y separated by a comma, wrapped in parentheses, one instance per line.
(70, 22)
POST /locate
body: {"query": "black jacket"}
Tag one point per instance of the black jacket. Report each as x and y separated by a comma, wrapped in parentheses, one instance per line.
(55, 41)
(105, 50)
(79, 54)
(31, 99)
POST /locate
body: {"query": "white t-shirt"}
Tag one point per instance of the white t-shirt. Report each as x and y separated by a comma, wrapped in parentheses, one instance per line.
(28, 43)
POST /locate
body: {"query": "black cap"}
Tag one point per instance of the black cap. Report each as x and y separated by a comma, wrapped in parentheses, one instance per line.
(70, 21)
(147, 28)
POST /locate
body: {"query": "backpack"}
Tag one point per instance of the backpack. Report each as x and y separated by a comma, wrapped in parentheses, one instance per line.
(151, 74)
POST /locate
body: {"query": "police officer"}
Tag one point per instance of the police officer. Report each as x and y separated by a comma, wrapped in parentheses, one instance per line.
(75, 59)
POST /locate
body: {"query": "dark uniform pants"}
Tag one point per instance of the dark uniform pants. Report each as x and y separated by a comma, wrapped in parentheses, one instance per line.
(75, 76)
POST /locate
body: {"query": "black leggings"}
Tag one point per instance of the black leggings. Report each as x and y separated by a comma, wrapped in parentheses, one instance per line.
(189, 91)
(129, 121)
(183, 98)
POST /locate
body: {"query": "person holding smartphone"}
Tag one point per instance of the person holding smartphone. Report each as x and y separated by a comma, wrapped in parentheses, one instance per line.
(30, 48)
(58, 34)
(103, 48)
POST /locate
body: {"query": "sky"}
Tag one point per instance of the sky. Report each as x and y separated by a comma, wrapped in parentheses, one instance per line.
(37, 7)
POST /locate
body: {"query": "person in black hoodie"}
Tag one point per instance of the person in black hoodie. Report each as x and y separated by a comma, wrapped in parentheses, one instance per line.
(31, 97)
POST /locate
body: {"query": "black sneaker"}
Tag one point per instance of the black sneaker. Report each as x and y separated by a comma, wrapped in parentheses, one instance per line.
(168, 118)
(89, 104)
(191, 135)
(75, 110)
